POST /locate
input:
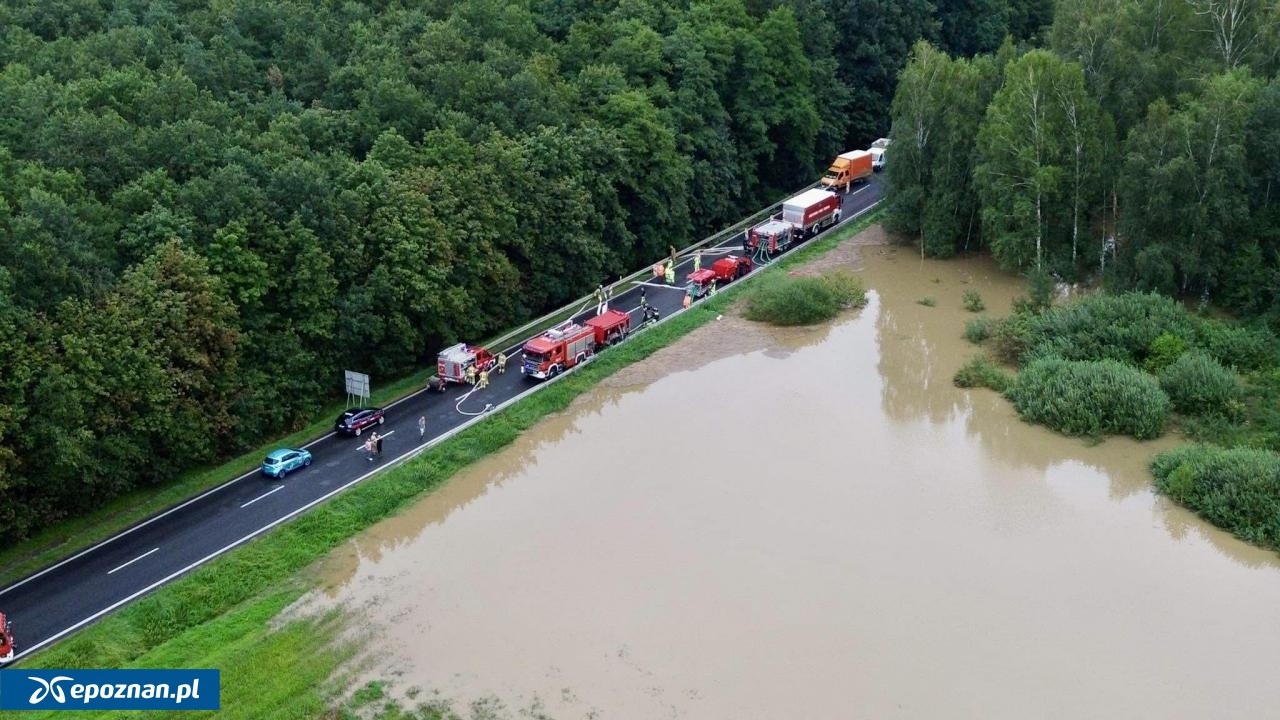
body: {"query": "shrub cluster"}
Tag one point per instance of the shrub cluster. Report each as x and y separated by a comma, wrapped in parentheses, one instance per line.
(982, 371)
(1198, 385)
(804, 300)
(973, 301)
(979, 329)
(1235, 488)
(1163, 351)
(1093, 398)
(1236, 346)
(1100, 327)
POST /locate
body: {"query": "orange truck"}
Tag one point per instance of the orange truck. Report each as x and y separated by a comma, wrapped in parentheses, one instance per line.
(847, 169)
(566, 345)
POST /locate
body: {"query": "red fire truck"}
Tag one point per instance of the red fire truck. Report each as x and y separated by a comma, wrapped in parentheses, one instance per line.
(725, 270)
(6, 640)
(567, 344)
(769, 238)
(811, 212)
(452, 362)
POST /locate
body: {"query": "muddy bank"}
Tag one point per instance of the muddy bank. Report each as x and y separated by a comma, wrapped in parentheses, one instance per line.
(759, 522)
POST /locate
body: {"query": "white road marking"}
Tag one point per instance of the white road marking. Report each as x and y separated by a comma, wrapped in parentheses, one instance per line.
(134, 560)
(278, 489)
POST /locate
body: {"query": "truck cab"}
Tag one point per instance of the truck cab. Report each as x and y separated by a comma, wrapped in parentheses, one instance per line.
(877, 153)
(847, 169)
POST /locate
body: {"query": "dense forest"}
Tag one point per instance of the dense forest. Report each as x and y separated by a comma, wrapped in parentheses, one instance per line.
(209, 210)
(1139, 146)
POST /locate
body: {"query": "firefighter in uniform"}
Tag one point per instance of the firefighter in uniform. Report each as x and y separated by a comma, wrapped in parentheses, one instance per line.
(484, 380)
(471, 374)
(671, 273)
(697, 261)
(502, 363)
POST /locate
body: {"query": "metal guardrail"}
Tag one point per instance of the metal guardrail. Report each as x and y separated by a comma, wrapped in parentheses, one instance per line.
(503, 341)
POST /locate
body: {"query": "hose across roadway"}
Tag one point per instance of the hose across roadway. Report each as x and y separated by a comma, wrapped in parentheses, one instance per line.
(58, 600)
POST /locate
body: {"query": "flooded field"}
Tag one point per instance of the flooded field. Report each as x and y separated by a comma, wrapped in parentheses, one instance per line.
(815, 524)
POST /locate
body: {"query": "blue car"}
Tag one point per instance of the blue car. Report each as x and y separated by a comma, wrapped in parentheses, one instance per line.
(280, 462)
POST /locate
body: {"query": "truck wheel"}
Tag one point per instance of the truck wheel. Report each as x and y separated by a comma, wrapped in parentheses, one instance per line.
(555, 370)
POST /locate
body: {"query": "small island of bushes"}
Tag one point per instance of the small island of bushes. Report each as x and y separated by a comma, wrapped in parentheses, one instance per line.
(1136, 364)
(804, 299)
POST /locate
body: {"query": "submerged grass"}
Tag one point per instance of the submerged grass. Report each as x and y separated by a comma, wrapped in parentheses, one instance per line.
(217, 615)
(982, 371)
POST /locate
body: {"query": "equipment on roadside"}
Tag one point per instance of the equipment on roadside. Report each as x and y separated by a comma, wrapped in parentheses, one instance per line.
(723, 271)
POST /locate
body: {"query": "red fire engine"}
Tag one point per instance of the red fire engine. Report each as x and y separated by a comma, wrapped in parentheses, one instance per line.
(725, 270)
(567, 344)
(6, 640)
(452, 362)
(769, 238)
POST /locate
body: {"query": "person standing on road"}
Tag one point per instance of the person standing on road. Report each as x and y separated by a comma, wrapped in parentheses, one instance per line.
(713, 288)
(671, 274)
(471, 375)
(422, 428)
(502, 363)
(697, 261)
(368, 448)
(673, 254)
(378, 444)
(643, 300)
(484, 380)
(688, 299)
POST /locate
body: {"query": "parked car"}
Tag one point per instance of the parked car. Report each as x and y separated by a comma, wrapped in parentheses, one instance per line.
(279, 462)
(355, 420)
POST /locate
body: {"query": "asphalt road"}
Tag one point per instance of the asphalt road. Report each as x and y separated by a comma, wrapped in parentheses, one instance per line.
(52, 603)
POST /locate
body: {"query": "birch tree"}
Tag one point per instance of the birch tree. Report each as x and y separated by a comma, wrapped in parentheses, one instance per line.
(1038, 151)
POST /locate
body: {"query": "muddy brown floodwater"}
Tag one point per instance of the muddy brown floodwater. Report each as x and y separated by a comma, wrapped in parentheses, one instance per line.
(770, 523)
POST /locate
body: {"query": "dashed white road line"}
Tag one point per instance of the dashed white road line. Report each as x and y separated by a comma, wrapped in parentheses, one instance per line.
(278, 489)
(152, 550)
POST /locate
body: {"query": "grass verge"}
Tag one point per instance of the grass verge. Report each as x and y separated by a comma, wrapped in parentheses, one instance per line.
(216, 616)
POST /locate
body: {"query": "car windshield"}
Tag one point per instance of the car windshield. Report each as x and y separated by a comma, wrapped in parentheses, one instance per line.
(535, 358)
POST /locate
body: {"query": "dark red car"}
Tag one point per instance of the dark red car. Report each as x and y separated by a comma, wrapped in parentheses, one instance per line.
(355, 420)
